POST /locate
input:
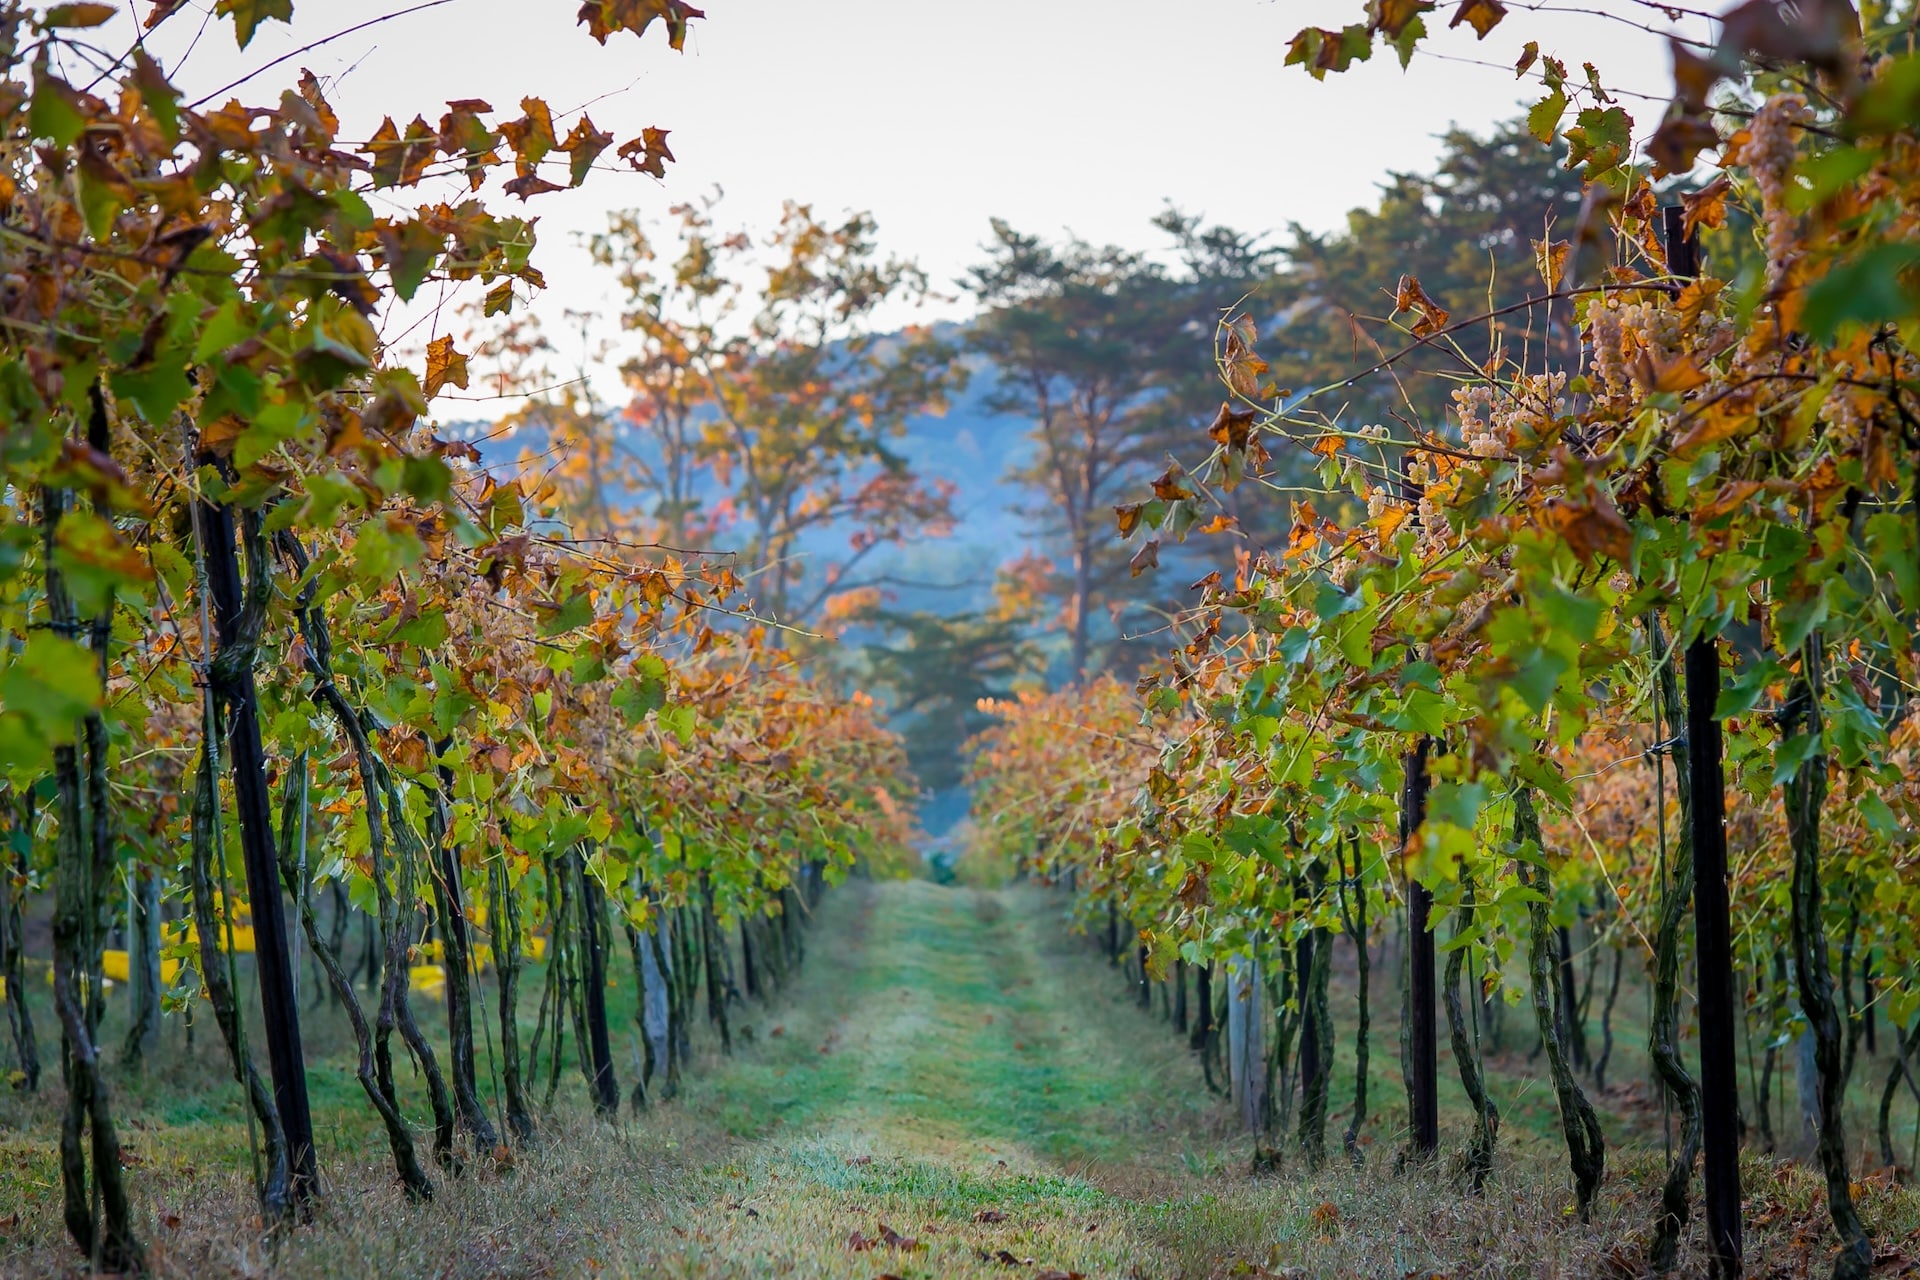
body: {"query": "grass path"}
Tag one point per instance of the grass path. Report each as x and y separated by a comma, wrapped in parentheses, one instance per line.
(941, 1074)
(949, 1065)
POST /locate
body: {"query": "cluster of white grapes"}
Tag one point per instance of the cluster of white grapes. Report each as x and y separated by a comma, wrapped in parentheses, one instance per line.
(1769, 154)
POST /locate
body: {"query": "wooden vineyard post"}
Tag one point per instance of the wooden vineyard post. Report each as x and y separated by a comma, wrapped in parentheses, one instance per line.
(232, 679)
(1423, 1080)
(1713, 934)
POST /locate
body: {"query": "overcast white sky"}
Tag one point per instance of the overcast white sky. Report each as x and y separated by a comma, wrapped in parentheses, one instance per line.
(1055, 114)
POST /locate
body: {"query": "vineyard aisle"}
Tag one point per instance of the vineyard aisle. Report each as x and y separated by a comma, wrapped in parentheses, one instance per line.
(941, 1073)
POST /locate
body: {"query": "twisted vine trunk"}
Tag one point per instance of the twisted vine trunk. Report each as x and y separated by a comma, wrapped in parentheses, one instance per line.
(673, 1007)
(717, 984)
(274, 1190)
(1606, 1023)
(1466, 1054)
(1356, 924)
(26, 1045)
(1804, 795)
(504, 911)
(84, 863)
(1586, 1145)
(231, 676)
(143, 965)
(375, 1080)
(1904, 1047)
(456, 958)
(593, 933)
(1663, 1031)
(1316, 1037)
(396, 1004)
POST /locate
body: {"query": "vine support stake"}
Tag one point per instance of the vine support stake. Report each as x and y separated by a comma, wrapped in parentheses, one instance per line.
(1713, 932)
(1423, 1080)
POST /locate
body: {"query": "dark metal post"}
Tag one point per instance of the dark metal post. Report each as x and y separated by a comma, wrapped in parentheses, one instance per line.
(1713, 931)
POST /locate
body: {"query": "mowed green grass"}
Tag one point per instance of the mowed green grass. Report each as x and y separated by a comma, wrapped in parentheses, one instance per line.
(951, 1066)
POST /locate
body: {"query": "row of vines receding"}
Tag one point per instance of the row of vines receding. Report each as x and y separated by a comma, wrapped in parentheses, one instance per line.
(285, 674)
(1624, 645)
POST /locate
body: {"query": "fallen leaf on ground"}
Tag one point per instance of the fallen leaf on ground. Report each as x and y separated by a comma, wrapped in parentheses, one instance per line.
(989, 1215)
(893, 1239)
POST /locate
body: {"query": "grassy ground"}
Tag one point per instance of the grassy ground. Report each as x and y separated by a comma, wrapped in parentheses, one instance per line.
(953, 1088)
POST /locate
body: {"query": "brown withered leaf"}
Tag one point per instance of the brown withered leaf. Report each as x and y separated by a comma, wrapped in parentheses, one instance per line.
(1693, 79)
(1126, 517)
(218, 436)
(990, 1215)
(1055, 1273)
(1529, 55)
(859, 1243)
(1550, 256)
(529, 185)
(1482, 15)
(894, 1240)
(1707, 207)
(1241, 364)
(1411, 297)
(1678, 142)
(1696, 297)
(1231, 428)
(1816, 31)
(604, 17)
(583, 146)
(1593, 528)
(348, 279)
(648, 153)
(444, 366)
(1733, 495)
(1147, 557)
(1678, 374)
(1168, 487)
(1392, 16)
(1714, 423)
